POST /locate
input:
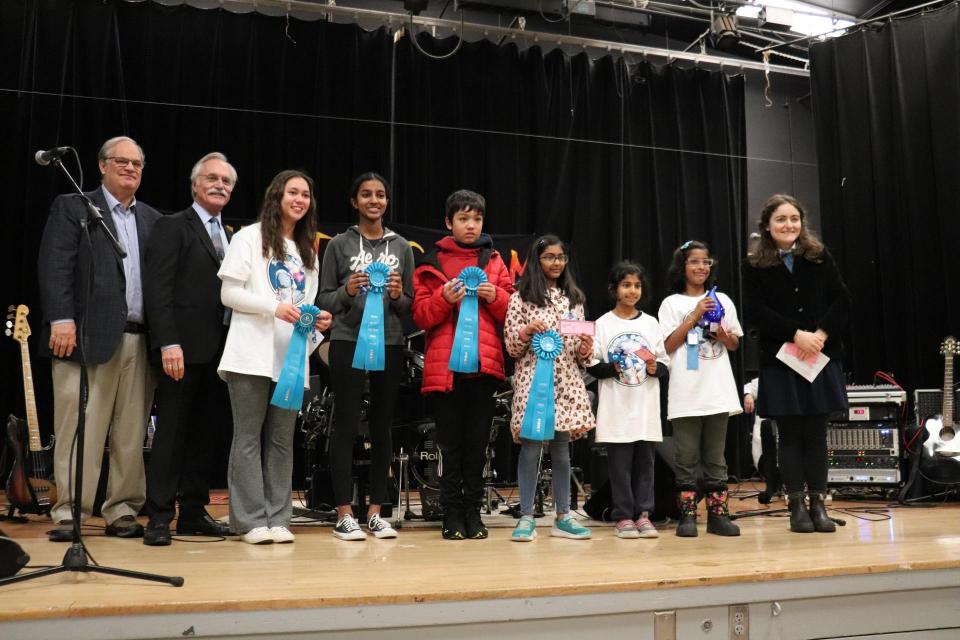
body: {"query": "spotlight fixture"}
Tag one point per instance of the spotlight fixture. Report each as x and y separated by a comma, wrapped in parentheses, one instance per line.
(723, 31)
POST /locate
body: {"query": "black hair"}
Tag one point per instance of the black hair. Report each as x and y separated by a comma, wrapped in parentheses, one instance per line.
(363, 177)
(677, 273)
(628, 268)
(464, 199)
(533, 284)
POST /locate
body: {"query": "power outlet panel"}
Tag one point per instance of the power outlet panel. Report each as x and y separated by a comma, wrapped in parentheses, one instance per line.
(739, 624)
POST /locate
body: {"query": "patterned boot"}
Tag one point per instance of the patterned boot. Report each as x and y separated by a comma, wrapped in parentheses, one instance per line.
(718, 513)
(687, 503)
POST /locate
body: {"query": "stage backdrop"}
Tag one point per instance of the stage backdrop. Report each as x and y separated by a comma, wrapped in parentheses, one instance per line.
(888, 129)
(621, 160)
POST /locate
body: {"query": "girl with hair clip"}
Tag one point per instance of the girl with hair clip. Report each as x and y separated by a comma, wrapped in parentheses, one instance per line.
(703, 393)
(546, 294)
(367, 265)
(630, 358)
(794, 294)
(268, 272)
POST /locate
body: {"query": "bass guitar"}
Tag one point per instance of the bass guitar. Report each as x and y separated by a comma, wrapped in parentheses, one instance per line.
(30, 487)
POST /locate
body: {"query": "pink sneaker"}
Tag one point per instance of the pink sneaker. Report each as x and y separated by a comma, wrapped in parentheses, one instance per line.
(626, 529)
(645, 528)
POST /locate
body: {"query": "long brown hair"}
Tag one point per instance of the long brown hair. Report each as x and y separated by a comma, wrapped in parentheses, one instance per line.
(763, 252)
(271, 226)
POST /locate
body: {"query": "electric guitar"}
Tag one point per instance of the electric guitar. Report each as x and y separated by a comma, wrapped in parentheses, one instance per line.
(30, 487)
(942, 440)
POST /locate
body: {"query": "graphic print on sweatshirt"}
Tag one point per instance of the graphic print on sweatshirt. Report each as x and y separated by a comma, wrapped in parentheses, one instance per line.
(287, 279)
(630, 351)
(363, 258)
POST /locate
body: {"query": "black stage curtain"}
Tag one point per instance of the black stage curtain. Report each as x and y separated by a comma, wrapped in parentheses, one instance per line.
(622, 160)
(888, 129)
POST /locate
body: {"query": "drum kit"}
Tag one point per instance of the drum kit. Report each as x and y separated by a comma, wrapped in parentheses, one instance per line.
(417, 461)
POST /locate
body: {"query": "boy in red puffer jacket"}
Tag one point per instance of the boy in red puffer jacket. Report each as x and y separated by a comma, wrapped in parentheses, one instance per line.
(462, 402)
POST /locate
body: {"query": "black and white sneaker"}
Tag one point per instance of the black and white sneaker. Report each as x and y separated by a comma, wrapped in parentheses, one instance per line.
(380, 528)
(349, 529)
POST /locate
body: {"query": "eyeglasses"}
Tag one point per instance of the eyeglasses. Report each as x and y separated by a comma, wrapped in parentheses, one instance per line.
(552, 258)
(123, 163)
(698, 262)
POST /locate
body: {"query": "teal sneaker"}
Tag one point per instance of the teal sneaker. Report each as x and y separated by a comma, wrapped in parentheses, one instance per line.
(525, 531)
(567, 527)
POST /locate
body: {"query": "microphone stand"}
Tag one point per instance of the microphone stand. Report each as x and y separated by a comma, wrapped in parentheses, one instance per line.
(77, 557)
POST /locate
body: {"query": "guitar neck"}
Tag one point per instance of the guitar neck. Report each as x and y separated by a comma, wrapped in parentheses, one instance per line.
(33, 425)
(948, 390)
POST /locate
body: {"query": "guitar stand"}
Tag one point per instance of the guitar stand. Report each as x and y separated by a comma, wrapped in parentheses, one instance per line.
(76, 557)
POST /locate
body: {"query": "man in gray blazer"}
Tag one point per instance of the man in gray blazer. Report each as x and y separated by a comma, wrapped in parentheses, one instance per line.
(113, 318)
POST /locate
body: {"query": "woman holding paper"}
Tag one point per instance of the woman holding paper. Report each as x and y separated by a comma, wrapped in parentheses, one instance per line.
(269, 280)
(797, 302)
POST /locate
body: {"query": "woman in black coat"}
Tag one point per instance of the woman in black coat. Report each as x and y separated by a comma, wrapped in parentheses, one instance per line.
(794, 293)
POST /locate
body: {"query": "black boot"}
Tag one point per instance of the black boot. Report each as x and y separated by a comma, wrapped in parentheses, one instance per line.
(454, 527)
(818, 515)
(800, 521)
(687, 503)
(474, 527)
(718, 513)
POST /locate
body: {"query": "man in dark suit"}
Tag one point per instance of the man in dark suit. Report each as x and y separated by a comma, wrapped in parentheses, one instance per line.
(187, 330)
(114, 320)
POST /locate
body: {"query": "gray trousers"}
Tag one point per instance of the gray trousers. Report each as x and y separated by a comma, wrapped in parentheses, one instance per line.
(700, 440)
(260, 473)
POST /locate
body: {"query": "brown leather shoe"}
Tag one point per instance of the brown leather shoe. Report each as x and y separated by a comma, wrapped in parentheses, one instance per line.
(63, 532)
(125, 527)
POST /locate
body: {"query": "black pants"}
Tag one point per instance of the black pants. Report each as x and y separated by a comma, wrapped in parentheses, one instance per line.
(463, 428)
(630, 466)
(348, 386)
(802, 452)
(179, 459)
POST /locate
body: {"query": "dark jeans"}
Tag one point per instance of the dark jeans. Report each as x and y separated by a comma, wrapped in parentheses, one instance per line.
(463, 429)
(630, 466)
(348, 385)
(802, 452)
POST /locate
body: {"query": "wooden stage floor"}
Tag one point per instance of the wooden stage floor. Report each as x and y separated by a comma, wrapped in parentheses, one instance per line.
(887, 546)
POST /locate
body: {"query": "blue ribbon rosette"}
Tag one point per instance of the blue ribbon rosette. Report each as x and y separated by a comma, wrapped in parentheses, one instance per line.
(369, 354)
(539, 417)
(465, 355)
(288, 393)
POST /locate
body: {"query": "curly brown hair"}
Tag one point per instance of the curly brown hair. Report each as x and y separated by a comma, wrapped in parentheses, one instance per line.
(763, 251)
(271, 220)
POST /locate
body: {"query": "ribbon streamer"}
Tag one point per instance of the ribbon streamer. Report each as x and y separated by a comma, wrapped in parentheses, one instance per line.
(288, 393)
(369, 354)
(539, 418)
(465, 354)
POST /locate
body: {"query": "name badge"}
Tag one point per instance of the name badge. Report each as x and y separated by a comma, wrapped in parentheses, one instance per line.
(693, 337)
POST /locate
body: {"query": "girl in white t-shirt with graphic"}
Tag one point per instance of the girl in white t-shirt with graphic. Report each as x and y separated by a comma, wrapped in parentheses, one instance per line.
(702, 393)
(629, 359)
(268, 271)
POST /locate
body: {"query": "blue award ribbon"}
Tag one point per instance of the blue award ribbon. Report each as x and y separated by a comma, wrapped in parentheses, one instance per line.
(369, 354)
(716, 314)
(539, 417)
(465, 355)
(693, 350)
(288, 393)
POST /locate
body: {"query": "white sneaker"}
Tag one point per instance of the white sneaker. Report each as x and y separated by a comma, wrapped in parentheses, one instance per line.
(380, 528)
(281, 535)
(259, 535)
(349, 529)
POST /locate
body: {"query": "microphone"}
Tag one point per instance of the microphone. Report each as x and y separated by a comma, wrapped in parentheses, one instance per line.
(44, 158)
